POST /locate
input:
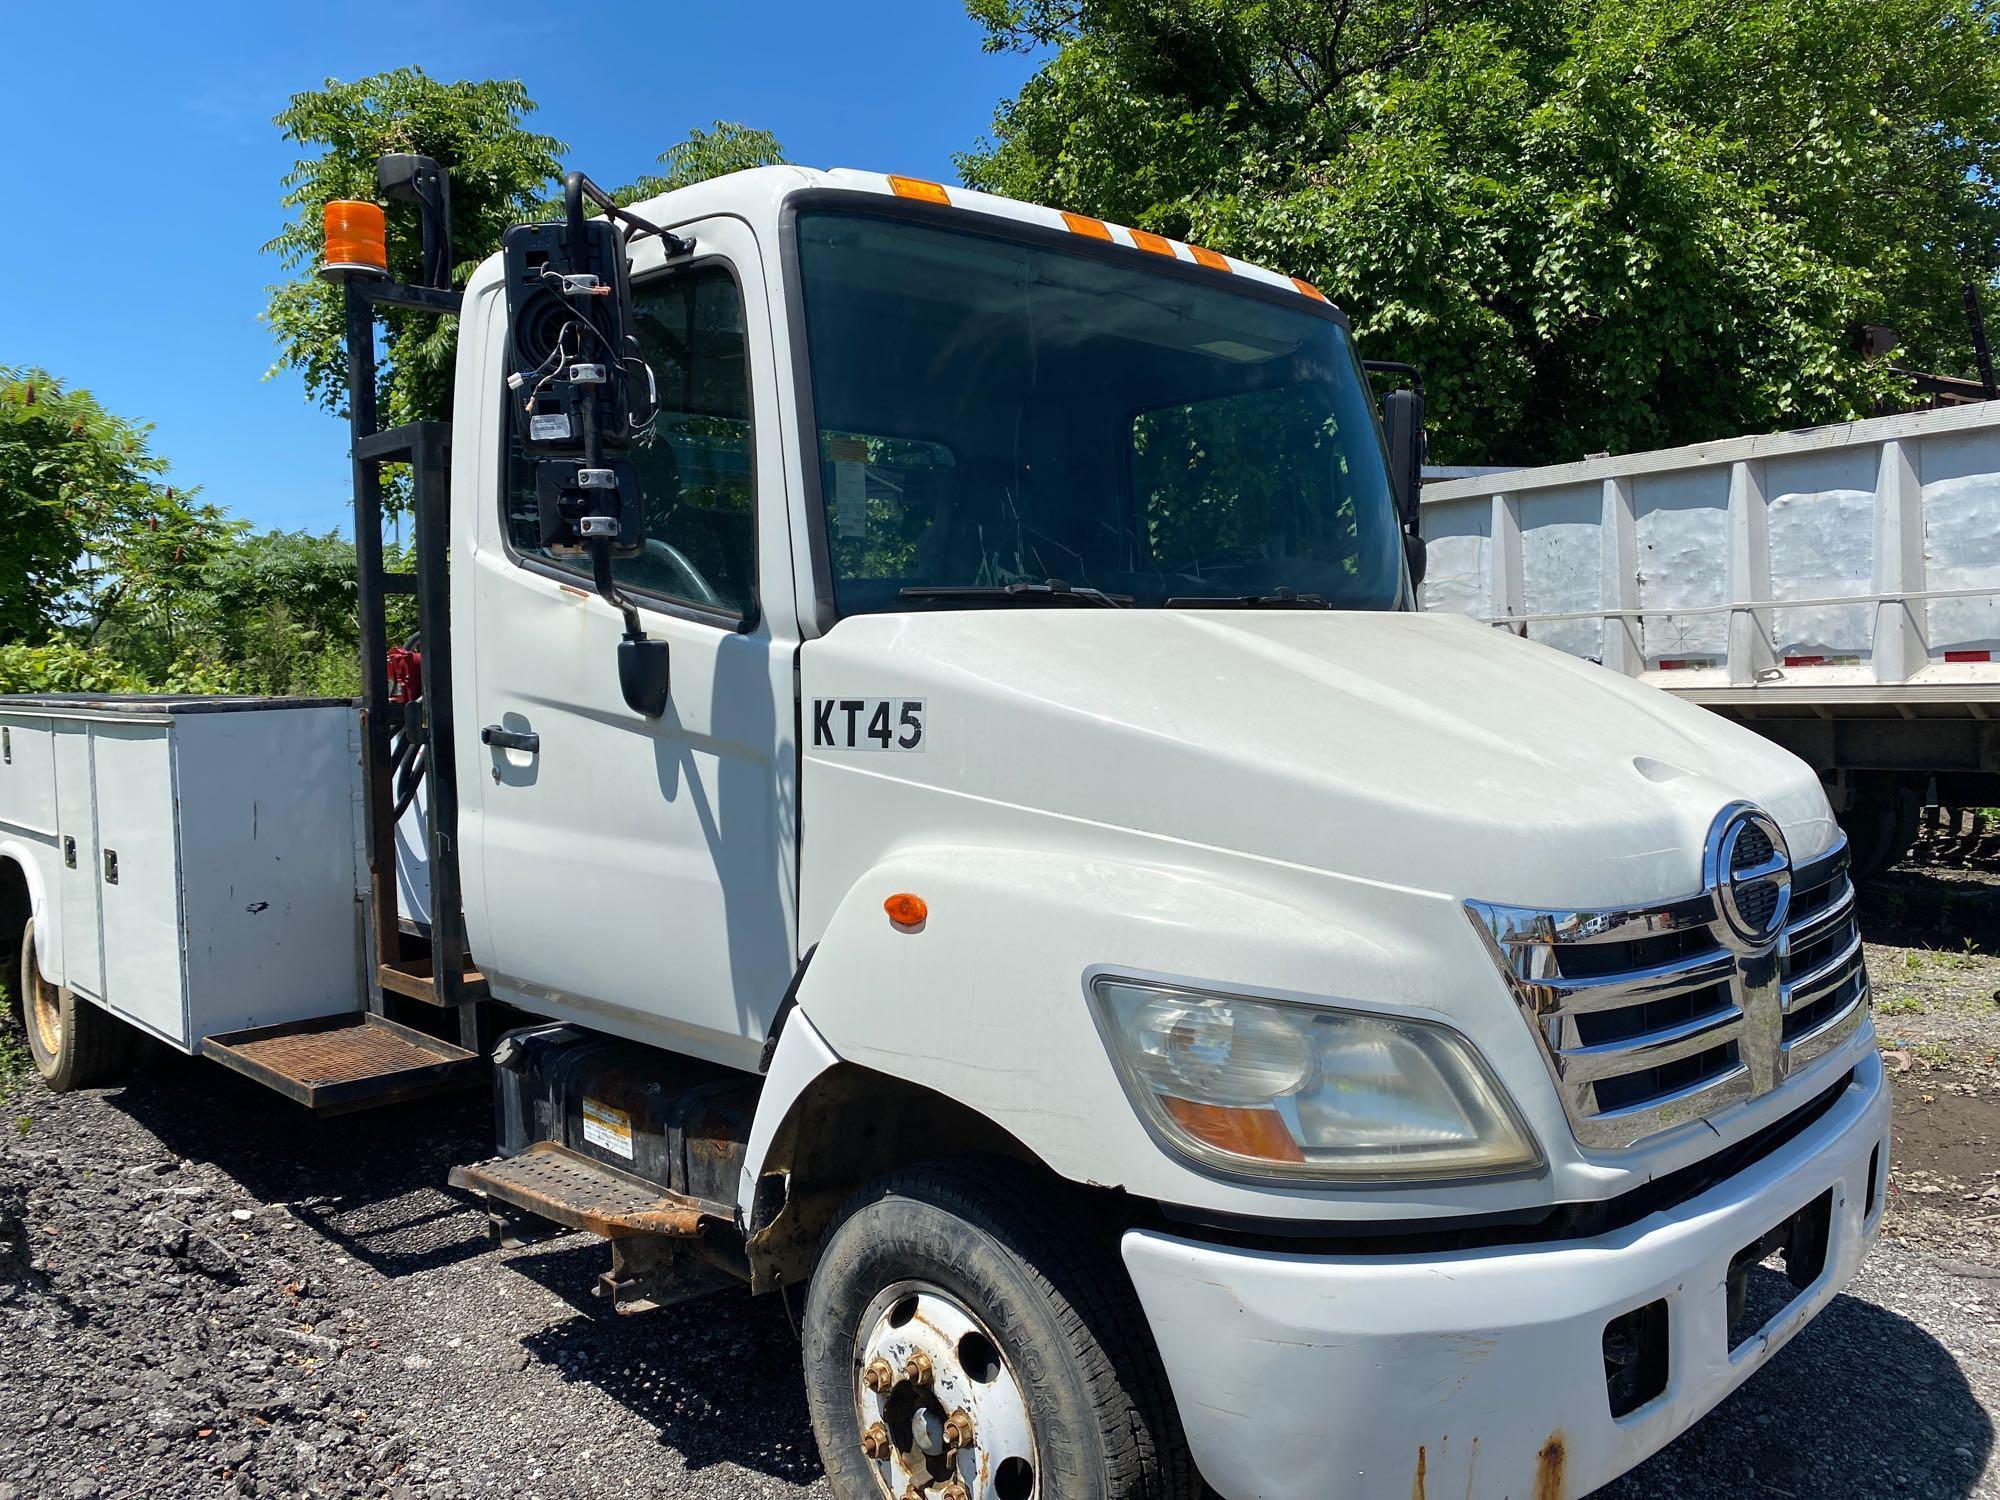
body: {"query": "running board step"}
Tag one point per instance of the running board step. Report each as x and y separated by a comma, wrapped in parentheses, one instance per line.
(566, 1187)
(333, 1064)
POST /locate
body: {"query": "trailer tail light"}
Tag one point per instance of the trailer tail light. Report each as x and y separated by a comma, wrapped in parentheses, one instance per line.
(919, 188)
(357, 237)
(1968, 656)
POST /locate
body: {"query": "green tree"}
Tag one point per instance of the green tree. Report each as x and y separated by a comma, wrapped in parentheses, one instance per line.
(91, 536)
(729, 147)
(500, 175)
(1596, 224)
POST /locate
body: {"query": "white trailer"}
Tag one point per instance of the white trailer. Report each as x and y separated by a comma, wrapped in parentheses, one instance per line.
(1837, 589)
(1178, 1012)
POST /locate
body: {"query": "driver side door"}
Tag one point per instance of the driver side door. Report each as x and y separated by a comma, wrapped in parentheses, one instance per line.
(636, 874)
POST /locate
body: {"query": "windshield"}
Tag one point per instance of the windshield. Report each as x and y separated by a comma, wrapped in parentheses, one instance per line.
(994, 412)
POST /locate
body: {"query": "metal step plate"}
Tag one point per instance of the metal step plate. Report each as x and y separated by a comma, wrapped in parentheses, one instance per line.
(557, 1184)
(332, 1064)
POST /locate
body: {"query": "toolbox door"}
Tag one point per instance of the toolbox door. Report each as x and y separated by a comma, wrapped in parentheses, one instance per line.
(81, 955)
(138, 882)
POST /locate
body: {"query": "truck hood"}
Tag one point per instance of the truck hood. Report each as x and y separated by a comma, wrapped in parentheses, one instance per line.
(1422, 751)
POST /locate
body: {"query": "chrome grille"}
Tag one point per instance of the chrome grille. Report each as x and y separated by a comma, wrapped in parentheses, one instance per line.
(1653, 1016)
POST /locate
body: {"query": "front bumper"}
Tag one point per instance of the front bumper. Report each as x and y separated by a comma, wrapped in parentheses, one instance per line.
(1481, 1372)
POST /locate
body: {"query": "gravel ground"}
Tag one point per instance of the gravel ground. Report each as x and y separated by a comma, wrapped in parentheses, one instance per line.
(203, 1292)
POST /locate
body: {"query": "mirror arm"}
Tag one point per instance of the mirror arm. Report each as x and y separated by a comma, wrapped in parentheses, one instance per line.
(642, 663)
(577, 187)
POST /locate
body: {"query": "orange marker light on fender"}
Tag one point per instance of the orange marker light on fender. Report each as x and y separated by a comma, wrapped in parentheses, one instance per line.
(916, 187)
(906, 911)
(357, 238)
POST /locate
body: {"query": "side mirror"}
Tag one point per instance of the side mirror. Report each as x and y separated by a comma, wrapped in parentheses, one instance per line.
(571, 383)
(1403, 424)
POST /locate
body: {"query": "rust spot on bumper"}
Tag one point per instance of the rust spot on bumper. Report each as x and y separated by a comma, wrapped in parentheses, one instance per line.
(1549, 1468)
(1417, 1484)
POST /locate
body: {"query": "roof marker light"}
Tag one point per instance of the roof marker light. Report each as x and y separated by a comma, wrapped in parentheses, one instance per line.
(1309, 289)
(1206, 257)
(1083, 224)
(1157, 244)
(917, 187)
(357, 238)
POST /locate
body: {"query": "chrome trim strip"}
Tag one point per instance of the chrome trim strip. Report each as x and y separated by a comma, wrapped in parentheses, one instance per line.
(1601, 992)
(1806, 929)
(1667, 1045)
(1831, 1032)
(1803, 990)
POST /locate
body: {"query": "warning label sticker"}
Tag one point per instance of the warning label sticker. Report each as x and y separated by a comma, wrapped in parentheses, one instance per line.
(607, 1128)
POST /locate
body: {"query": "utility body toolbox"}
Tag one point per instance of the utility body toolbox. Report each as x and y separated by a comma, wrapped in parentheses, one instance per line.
(200, 859)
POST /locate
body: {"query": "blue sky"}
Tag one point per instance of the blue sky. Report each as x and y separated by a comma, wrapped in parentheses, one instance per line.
(143, 174)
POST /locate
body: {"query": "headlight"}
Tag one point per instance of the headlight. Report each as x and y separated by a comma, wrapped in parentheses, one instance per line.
(1273, 1088)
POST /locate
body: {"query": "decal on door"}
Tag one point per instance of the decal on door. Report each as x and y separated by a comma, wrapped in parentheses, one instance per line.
(868, 723)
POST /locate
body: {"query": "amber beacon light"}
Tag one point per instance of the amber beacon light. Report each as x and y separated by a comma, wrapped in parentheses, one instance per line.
(357, 238)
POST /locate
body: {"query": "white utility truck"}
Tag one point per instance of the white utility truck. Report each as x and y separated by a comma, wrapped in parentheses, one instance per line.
(937, 800)
(1836, 589)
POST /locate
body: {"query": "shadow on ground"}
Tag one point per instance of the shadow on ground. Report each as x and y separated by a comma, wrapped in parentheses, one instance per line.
(691, 1372)
(1862, 1404)
(1917, 906)
(372, 1183)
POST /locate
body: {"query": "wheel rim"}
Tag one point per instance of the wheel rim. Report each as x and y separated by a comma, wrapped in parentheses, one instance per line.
(44, 1002)
(940, 1411)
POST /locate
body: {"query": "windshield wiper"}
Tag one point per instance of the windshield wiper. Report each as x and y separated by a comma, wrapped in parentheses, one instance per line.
(1276, 599)
(1055, 591)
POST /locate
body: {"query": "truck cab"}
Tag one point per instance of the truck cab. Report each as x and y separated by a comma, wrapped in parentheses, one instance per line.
(1164, 1009)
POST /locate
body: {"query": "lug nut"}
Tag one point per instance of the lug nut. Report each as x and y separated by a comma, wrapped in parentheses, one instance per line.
(878, 1377)
(917, 1369)
(958, 1429)
(875, 1443)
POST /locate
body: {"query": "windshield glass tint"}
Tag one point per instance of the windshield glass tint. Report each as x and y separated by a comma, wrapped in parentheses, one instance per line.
(993, 412)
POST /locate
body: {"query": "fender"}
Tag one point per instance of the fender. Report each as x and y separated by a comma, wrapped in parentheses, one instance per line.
(800, 1056)
(41, 909)
(986, 1002)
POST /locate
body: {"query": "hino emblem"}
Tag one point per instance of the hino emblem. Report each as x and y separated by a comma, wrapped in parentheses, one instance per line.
(1750, 871)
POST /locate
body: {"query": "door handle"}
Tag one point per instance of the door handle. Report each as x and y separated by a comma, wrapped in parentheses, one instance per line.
(511, 739)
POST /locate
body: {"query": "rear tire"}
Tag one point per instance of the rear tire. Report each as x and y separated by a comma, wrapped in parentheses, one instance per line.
(1042, 1347)
(1880, 827)
(75, 1045)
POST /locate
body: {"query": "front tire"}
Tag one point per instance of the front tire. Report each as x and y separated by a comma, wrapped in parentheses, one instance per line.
(968, 1338)
(74, 1044)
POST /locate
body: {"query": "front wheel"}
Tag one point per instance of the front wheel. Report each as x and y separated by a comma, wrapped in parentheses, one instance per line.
(967, 1338)
(75, 1045)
